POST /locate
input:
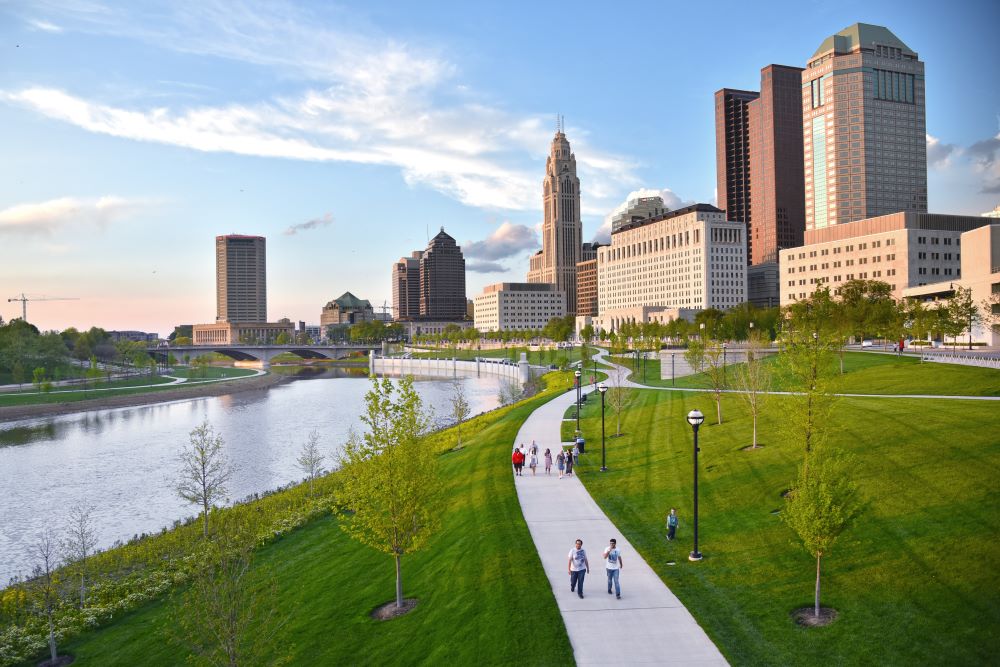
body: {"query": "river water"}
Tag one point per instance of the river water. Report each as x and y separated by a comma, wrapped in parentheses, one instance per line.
(124, 461)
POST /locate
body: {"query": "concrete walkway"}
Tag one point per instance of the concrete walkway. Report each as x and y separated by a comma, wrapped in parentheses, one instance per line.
(649, 625)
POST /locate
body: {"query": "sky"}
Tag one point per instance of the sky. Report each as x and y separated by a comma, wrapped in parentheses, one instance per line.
(133, 133)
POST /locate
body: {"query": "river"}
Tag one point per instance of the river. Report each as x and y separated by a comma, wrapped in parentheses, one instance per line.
(124, 461)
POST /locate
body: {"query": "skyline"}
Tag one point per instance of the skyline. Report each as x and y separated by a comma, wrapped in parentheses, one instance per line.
(342, 135)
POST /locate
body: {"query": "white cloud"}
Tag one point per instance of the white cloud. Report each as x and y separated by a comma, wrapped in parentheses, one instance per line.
(325, 220)
(44, 26)
(985, 156)
(939, 153)
(508, 240)
(485, 267)
(360, 98)
(47, 217)
(670, 199)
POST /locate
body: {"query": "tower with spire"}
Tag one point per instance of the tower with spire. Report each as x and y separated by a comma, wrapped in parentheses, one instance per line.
(561, 227)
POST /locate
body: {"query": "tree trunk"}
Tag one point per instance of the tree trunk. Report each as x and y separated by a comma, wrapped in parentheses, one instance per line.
(718, 408)
(52, 638)
(618, 424)
(816, 604)
(755, 429)
(399, 582)
(83, 588)
(205, 523)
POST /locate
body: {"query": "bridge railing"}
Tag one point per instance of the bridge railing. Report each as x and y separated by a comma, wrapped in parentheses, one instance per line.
(963, 359)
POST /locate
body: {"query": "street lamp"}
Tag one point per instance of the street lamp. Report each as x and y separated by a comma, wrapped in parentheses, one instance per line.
(603, 388)
(577, 375)
(695, 418)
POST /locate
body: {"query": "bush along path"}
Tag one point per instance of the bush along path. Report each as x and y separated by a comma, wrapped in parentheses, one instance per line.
(648, 625)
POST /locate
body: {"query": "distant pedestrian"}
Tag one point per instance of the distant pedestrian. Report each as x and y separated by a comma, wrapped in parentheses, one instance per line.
(533, 461)
(570, 459)
(613, 564)
(548, 461)
(517, 458)
(578, 567)
(561, 463)
(576, 449)
(533, 449)
(671, 523)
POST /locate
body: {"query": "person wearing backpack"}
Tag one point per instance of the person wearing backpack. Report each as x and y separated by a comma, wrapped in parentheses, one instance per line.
(613, 565)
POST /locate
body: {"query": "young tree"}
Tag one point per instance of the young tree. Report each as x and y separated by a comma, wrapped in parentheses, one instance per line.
(460, 409)
(820, 506)
(390, 475)
(965, 311)
(205, 470)
(619, 396)
(715, 369)
(229, 614)
(311, 459)
(808, 360)
(80, 542)
(45, 586)
(695, 355)
(753, 379)
(510, 391)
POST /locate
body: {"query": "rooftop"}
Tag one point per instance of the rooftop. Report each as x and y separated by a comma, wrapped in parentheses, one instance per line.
(861, 35)
(693, 208)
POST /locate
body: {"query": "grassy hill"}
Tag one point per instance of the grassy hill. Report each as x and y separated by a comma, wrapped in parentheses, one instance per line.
(483, 597)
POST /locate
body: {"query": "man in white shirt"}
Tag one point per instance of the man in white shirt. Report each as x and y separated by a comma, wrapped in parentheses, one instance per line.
(578, 567)
(613, 564)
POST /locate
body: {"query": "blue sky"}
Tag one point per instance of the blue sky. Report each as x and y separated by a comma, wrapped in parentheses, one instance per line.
(133, 133)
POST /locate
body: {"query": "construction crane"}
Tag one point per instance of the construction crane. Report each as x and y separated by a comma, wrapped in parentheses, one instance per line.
(25, 299)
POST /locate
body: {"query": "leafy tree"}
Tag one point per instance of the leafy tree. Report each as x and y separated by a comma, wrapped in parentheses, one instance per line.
(390, 475)
(38, 377)
(965, 311)
(619, 396)
(80, 542)
(205, 470)
(460, 409)
(587, 333)
(715, 370)
(229, 615)
(45, 585)
(510, 391)
(283, 338)
(183, 341)
(820, 506)
(311, 459)
(753, 379)
(694, 355)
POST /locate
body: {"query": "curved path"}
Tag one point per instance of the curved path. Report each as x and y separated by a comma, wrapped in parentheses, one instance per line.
(649, 625)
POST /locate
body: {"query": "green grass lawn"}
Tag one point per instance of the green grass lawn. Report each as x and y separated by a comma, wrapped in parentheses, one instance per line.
(915, 580)
(129, 387)
(869, 373)
(484, 598)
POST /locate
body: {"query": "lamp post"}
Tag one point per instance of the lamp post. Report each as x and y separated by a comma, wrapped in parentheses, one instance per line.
(672, 377)
(577, 375)
(603, 388)
(695, 418)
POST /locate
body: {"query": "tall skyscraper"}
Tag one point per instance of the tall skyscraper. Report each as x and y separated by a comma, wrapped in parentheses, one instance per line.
(732, 153)
(561, 226)
(635, 209)
(777, 204)
(442, 279)
(406, 287)
(863, 127)
(240, 278)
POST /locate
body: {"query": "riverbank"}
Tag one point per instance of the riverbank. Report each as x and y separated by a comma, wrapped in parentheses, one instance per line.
(154, 395)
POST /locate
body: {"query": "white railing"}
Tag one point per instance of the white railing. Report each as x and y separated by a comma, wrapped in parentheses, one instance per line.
(450, 367)
(964, 359)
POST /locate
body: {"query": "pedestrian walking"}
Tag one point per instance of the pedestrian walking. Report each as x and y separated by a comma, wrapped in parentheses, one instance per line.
(578, 567)
(548, 461)
(517, 458)
(570, 459)
(671, 523)
(533, 449)
(613, 564)
(561, 463)
(533, 461)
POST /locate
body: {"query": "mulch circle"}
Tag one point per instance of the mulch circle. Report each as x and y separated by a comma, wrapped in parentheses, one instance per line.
(389, 610)
(58, 662)
(751, 448)
(806, 617)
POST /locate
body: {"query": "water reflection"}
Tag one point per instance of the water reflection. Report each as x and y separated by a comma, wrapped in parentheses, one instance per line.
(124, 461)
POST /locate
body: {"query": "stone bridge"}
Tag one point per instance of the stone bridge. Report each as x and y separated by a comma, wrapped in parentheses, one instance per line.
(262, 355)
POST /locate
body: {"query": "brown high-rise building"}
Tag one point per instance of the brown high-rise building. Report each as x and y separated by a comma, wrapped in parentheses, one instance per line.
(561, 226)
(442, 280)
(732, 153)
(240, 278)
(586, 288)
(777, 204)
(864, 128)
(406, 287)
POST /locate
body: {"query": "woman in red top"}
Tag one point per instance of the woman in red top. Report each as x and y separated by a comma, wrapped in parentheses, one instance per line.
(517, 458)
